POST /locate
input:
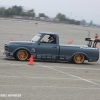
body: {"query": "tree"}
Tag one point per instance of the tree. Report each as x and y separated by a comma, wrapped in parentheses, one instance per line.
(15, 10)
(29, 13)
(61, 17)
(8, 12)
(2, 11)
(71, 21)
(42, 15)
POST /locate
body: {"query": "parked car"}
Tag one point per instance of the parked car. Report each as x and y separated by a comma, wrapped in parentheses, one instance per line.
(40, 48)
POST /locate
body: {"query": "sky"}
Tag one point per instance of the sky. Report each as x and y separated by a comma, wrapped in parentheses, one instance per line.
(76, 9)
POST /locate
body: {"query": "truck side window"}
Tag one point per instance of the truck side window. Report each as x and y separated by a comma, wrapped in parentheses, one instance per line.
(45, 39)
(49, 39)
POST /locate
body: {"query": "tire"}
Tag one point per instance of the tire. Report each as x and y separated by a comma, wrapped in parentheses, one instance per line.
(22, 55)
(78, 58)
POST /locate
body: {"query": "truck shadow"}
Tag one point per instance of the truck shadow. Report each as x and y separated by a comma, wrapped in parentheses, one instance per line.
(59, 62)
(66, 62)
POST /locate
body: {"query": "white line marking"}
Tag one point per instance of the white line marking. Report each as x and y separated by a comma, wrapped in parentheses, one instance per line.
(75, 68)
(71, 75)
(50, 66)
(49, 87)
(53, 78)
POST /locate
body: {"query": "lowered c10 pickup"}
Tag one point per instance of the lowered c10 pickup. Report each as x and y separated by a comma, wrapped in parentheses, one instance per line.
(42, 49)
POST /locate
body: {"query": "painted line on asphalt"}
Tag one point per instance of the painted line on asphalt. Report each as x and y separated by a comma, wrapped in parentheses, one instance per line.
(52, 78)
(73, 68)
(70, 75)
(51, 66)
(58, 87)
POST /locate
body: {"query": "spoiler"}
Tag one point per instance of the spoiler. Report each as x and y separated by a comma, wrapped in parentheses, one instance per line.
(92, 42)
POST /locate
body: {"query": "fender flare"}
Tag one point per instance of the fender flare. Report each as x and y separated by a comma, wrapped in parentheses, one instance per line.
(78, 53)
(20, 49)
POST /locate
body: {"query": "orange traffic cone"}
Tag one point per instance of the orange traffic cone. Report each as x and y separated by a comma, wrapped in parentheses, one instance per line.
(20, 35)
(11, 39)
(69, 42)
(36, 22)
(31, 61)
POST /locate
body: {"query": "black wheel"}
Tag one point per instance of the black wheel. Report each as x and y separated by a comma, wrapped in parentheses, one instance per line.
(78, 58)
(22, 55)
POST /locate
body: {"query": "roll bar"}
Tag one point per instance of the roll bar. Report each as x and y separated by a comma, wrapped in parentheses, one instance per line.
(92, 42)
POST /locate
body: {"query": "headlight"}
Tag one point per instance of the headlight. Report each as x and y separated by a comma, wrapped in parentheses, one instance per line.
(6, 48)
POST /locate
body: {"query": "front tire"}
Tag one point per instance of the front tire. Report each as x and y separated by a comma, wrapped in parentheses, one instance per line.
(22, 55)
(78, 58)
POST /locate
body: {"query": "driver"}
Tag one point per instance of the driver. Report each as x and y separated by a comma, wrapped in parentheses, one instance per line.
(52, 39)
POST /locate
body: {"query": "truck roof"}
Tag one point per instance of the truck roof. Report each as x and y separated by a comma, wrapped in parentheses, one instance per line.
(48, 33)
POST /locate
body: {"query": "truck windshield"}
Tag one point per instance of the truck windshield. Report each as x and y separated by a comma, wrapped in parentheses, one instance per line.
(36, 38)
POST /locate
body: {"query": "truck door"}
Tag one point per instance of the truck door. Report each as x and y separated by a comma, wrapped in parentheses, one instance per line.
(47, 51)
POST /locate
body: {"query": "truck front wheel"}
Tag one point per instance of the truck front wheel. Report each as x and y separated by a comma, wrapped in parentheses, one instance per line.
(22, 55)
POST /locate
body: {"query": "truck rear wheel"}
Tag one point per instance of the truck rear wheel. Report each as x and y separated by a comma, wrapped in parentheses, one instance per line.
(78, 58)
(22, 55)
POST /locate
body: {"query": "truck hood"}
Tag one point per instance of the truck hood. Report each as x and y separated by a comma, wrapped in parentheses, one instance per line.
(20, 42)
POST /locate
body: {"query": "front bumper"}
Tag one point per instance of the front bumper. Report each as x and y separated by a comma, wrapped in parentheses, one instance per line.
(8, 55)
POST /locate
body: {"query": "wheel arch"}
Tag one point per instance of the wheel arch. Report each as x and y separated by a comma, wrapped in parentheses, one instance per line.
(86, 57)
(21, 48)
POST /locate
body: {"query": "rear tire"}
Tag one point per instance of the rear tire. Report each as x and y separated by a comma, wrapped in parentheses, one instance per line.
(78, 58)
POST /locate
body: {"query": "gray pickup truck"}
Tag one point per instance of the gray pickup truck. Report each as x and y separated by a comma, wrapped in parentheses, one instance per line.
(40, 48)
